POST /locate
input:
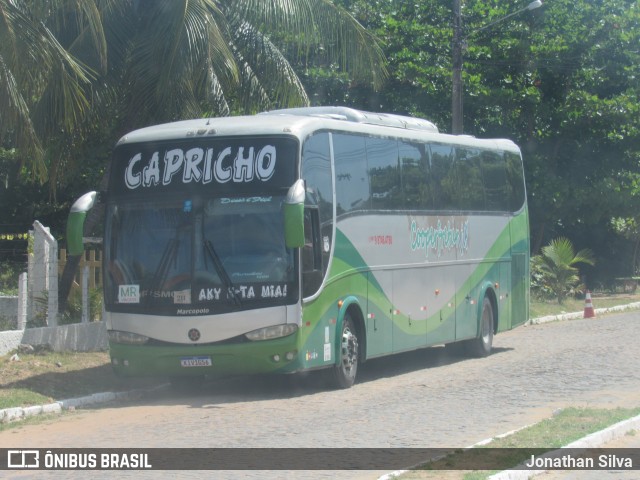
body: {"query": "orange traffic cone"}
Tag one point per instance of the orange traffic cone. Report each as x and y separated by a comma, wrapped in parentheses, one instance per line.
(589, 312)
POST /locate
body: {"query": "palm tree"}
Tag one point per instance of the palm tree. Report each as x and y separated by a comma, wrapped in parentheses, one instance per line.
(43, 88)
(64, 64)
(556, 266)
(174, 59)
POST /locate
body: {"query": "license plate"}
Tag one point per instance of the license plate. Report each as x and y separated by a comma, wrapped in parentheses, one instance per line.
(195, 361)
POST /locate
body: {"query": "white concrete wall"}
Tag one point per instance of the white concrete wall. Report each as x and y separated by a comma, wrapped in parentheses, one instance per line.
(9, 307)
(77, 337)
(43, 274)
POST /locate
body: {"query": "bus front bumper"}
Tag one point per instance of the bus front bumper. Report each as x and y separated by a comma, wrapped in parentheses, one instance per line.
(267, 356)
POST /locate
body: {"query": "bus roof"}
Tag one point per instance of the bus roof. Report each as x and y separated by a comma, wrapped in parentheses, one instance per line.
(359, 116)
(301, 122)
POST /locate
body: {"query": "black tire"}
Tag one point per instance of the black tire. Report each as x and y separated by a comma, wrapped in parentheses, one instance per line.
(481, 346)
(344, 372)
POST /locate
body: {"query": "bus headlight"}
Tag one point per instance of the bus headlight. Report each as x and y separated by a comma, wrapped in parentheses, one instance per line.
(275, 331)
(127, 338)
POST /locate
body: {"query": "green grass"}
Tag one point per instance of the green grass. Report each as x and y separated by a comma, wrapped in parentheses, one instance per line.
(43, 377)
(22, 397)
(567, 426)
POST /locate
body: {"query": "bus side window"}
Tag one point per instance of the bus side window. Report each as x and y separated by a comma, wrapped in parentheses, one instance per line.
(442, 176)
(311, 253)
(468, 189)
(494, 177)
(416, 171)
(515, 178)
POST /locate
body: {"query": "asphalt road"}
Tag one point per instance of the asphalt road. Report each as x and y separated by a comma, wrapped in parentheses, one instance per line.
(420, 399)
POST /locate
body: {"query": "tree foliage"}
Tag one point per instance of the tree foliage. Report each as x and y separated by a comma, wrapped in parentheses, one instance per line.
(43, 87)
(562, 81)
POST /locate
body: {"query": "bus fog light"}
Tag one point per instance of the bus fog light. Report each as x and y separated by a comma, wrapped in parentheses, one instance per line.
(125, 363)
(290, 355)
(276, 358)
(275, 331)
(127, 338)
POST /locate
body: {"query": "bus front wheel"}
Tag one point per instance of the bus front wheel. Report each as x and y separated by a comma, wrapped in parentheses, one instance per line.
(345, 370)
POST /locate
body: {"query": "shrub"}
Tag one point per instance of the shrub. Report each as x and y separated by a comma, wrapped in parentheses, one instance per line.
(553, 272)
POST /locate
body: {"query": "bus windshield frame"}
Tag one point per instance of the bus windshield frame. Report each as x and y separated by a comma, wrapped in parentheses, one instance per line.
(191, 242)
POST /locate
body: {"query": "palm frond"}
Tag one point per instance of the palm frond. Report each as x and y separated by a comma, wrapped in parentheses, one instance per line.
(310, 23)
(90, 43)
(277, 76)
(15, 122)
(33, 62)
(177, 45)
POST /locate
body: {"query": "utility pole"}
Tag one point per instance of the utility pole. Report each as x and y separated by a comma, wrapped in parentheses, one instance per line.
(456, 94)
(458, 43)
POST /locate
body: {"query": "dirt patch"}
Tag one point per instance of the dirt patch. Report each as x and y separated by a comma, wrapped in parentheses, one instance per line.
(31, 377)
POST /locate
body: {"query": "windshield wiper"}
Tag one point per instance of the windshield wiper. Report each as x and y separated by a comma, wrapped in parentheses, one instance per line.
(168, 255)
(222, 273)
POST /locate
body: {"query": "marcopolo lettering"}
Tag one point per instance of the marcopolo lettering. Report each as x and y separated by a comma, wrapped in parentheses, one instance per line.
(239, 165)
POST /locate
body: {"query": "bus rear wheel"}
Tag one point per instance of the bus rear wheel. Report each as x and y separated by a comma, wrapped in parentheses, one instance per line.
(344, 372)
(481, 346)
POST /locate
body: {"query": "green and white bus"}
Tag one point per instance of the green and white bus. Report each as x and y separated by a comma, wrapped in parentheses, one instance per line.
(305, 239)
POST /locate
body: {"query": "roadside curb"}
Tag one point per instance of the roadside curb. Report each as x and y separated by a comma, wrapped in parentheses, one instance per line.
(593, 440)
(8, 415)
(576, 315)
(590, 441)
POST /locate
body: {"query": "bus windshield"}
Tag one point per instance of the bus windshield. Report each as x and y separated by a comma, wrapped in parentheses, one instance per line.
(198, 256)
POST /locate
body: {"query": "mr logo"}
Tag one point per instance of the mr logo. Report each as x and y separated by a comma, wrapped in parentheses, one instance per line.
(129, 294)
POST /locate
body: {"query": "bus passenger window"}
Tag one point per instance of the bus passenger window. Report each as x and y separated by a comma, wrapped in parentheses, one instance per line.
(352, 181)
(416, 170)
(442, 176)
(468, 189)
(494, 177)
(384, 174)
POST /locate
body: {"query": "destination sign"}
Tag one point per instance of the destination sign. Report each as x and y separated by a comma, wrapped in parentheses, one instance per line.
(230, 163)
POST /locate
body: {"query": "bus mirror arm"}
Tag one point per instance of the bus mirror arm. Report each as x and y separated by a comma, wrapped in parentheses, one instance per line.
(75, 222)
(294, 215)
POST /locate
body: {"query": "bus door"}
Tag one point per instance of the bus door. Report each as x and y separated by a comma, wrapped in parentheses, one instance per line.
(379, 313)
(467, 302)
(504, 296)
(410, 311)
(440, 300)
(519, 289)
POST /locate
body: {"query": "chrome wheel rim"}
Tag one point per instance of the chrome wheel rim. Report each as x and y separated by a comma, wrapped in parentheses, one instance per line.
(349, 351)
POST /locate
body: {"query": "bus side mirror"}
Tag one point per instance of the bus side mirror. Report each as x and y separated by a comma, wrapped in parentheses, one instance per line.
(294, 215)
(75, 222)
